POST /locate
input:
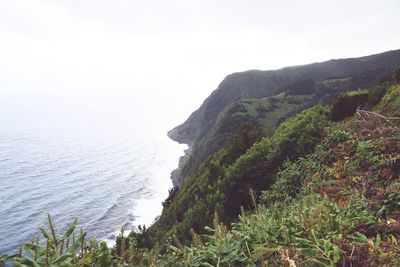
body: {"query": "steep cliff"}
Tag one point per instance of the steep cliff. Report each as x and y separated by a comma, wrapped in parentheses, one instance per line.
(292, 89)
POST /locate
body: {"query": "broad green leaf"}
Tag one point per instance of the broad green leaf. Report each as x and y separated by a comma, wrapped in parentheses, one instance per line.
(76, 245)
(381, 211)
(314, 237)
(327, 246)
(6, 257)
(17, 264)
(26, 262)
(70, 230)
(336, 224)
(33, 247)
(62, 258)
(336, 254)
(309, 251)
(174, 248)
(45, 233)
(362, 237)
(378, 241)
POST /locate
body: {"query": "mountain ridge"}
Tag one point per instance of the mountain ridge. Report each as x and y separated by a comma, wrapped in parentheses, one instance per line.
(360, 72)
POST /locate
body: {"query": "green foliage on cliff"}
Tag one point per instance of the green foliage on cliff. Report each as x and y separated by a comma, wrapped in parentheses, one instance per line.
(347, 103)
(304, 86)
(314, 193)
(222, 183)
(336, 204)
(192, 206)
(256, 168)
(263, 115)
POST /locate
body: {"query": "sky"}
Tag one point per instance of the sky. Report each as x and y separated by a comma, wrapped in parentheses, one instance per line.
(176, 50)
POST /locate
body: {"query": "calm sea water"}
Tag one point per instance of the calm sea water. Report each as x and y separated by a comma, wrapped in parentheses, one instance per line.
(106, 162)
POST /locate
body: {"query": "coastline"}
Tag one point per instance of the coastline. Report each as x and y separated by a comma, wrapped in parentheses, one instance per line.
(148, 217)
(175, 174)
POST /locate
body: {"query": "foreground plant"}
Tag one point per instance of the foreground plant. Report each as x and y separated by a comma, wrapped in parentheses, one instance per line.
(56, 251)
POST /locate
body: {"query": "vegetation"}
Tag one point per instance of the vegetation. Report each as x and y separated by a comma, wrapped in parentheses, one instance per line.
(314, 193)
(303, 86)
(222, 183)
(257, 167)
(62, 250)
(347, 103)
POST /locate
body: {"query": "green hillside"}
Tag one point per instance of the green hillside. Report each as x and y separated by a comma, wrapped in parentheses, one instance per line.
(334, 206)
(222, 183)
(322, 189)
(304, 86)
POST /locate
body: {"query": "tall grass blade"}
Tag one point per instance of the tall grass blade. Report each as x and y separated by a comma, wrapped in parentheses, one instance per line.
(70, 230)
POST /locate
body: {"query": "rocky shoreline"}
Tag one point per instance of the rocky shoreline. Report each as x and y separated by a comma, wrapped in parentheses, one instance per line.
(175, 174)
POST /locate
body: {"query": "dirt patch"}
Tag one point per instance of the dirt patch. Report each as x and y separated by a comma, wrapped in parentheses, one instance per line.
(356, 255)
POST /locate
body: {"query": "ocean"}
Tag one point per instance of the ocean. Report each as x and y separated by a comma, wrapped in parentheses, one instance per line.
(105, 160)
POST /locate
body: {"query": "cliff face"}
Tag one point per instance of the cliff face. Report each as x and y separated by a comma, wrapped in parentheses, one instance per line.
(205, 130)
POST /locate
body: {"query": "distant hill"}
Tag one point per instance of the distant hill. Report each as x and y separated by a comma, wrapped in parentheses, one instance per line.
(266, 98)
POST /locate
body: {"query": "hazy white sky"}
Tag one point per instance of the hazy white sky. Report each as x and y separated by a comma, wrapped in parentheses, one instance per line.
(156, 47)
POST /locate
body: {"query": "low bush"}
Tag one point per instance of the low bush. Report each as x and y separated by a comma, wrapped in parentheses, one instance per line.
(347, 103)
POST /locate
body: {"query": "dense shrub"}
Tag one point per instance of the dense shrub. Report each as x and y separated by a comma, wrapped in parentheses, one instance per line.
(256, 168)
(347, 103)
(222, 183)
(192, 205)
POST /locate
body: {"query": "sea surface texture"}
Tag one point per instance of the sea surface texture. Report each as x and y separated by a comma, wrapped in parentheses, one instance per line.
(108, 165)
